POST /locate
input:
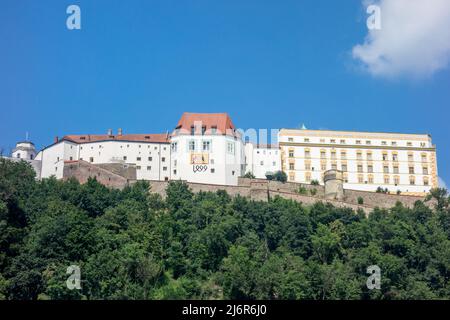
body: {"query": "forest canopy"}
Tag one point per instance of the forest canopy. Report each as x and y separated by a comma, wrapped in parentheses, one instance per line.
(133, 244)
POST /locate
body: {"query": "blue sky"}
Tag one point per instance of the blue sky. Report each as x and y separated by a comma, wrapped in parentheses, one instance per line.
(139, 65)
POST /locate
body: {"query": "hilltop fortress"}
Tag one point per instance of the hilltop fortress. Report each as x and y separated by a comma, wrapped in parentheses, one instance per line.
(207, 149)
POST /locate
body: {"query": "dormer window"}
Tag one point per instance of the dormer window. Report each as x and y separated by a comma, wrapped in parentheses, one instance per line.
(147, 137)
(82, 138)
(192, 130)
(213, 129)
(203, 130)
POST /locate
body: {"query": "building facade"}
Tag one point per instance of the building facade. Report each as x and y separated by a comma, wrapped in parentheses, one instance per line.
(396, 162)
(149, 153)
(262, 159)
(207, 148)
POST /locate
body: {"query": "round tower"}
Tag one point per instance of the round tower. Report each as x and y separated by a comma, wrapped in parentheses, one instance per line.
(24, 150)
(334, 188)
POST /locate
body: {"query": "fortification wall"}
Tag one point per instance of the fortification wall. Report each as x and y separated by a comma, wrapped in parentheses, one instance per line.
(82, 170)
(255, 189)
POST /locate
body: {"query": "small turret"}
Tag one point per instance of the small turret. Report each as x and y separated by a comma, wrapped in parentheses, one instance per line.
(24, 150)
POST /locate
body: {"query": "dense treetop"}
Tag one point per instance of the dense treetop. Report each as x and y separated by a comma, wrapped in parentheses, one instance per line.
(132, 244)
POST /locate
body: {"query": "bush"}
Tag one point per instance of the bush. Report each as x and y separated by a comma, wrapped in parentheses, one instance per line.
(249, 175)
(360, 200)
(315, 182)
(302, 190)
(313, 192)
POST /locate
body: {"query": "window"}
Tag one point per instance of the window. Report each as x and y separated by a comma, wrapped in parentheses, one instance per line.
(71, 158)
(164, 168)
(306, 140)
(206, 145)
(291, 176)
(138, 159)
(308, 176)
(323, 154)
(174, 147)
(358, 141)
(343, 155)
(203, 130)
(395, 169)
(370, 179)
(138, 167)
(360, 178)
(149, 168)
(386, 180)
(425, 170)
(290, 139)
(274, 163)
(174, 163)
(386, 169)
(385, 156)
(342, 141)
(334, 166)
(262, 163)
(124, 158)
(192, 130)
(332, 141)
(307, 166)
(411, 170)
(291, 166)
(213, 170)
(344, 168)
(291, 153)
(191, 145)
(91, 159)
(230, 147)
(150, 159)
(359, 155)
(394, 143)
(383, 143)
(426, 181)
(368, 142)
(369, 155)
(360, 168)
(213, 130)
(163, 159)
(424, 157)
(409, 144)
(18, 155)
(323, 167)
(307, 153)
(394, 157)
(333, 154)
(412, 180)
(410, 157)
(370, 169)
(396, 180)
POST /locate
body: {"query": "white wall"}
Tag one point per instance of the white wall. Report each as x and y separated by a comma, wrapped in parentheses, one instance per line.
(222, 166)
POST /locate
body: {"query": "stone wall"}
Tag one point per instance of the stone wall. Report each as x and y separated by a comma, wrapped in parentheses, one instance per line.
(82, 170)
(256, 189)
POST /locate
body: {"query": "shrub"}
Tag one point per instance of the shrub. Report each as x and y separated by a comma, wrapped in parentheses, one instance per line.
(360, 200)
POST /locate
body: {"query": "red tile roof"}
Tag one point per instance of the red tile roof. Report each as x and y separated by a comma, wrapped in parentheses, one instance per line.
(220, 121)
(85, 138)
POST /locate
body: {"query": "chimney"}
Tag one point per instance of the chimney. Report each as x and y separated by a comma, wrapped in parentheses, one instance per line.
(109, 132)
(56, 139)
(119, 132)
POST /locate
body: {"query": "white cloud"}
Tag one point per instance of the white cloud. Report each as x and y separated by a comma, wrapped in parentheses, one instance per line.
(442, 183)
(414, 39)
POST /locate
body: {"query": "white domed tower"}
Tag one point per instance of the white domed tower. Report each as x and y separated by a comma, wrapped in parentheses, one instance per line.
(24, 150)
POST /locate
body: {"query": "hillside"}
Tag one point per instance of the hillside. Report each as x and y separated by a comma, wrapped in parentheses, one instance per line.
(134, 244)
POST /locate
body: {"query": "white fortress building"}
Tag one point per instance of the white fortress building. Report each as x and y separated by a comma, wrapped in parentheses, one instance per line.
(207, 148)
